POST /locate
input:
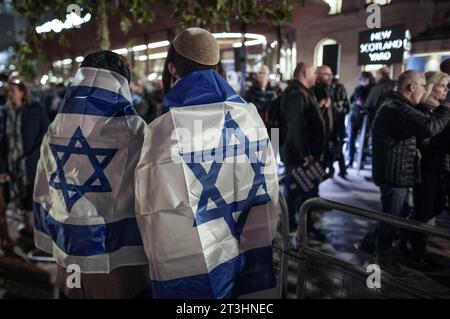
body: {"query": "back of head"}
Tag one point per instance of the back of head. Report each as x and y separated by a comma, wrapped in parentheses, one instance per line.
(445, 66)
(406, 79)
(383, 73)
(194, 49)
(198, 45)
(304, 73)
(108, 60)
(369, 76)
(300, 70)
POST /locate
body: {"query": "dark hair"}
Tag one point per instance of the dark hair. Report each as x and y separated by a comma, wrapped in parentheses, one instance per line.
(108, 60)
(445, 66)
(369, 76)
(23, 87)
(184, 67)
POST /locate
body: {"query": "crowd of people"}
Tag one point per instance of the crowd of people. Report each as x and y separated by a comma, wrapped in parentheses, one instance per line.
(406, 135)
(407, 128)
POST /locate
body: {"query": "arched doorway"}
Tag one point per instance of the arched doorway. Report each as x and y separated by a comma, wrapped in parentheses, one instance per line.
(328, 51)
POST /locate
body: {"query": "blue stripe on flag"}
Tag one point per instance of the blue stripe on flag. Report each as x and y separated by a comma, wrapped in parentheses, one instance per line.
(87, 240)
(201, 87)
(249, 272)
(92, 100)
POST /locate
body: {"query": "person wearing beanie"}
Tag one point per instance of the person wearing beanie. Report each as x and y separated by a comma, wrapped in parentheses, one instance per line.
(206, 182)
(83, 202)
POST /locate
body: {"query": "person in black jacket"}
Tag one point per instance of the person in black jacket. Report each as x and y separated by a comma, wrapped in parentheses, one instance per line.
(430, 191)
(5, 240)
(377, 96)
(24, 125)
(379, 93)
(341, 107)
(262, 93)
(323, 93)
(358, 98)
(335, 116)
(303, 133)
(396, 126)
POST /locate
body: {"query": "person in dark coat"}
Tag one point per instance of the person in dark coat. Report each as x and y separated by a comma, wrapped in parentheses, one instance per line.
(335, 115)
(5, 240)
(262, 93)
(24, 125)
(379, 93)
(358, 98)
(396, 126)
(431, 189)
(328, 113)
(341, 107)
(303, 133)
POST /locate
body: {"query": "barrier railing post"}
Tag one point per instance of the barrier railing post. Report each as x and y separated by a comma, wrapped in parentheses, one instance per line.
(302, 236)
(362, 142)
(284, 246)
(322, 204)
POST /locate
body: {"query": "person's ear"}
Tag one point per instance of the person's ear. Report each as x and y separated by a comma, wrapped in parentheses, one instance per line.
(412, 87)
(173, 70)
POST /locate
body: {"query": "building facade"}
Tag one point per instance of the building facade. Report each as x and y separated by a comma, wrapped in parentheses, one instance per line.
(428, 22)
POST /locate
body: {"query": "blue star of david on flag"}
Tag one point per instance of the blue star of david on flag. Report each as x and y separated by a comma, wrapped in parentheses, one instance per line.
(208, 180)
(99, 159)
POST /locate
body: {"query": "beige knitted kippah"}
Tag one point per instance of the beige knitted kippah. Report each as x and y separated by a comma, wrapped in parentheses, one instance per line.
(198, 45)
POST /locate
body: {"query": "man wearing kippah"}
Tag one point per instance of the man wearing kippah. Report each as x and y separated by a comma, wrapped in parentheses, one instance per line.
(206, 183)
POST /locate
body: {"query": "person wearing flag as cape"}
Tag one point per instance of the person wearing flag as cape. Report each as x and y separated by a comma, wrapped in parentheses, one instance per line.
(83, 197)
(206, 182)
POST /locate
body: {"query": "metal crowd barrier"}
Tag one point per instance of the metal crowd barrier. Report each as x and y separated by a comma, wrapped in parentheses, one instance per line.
(306, 252)
(362, 142)
(284, 247)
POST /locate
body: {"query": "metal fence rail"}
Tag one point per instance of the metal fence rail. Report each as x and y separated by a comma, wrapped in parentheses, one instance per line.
(305, 253)
(284, 246)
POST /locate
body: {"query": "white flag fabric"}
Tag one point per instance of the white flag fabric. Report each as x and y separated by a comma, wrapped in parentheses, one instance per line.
(84, 194)
(206, 189)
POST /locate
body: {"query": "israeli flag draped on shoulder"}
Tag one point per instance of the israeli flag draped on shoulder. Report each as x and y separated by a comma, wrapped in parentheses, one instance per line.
(84, 195)
(206, 188)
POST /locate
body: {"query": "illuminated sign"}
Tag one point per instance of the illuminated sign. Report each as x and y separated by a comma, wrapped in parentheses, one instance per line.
(383, 45)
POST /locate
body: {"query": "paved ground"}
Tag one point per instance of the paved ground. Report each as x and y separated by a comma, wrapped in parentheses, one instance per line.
(342, 231)
(20, 278)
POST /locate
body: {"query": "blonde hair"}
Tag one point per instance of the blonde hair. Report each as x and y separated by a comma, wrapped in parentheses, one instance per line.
(384, 71)
(432, 78)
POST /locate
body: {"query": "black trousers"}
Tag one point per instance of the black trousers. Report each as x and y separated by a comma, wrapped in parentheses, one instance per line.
(355, 128)
(429, 201)
(342, 134)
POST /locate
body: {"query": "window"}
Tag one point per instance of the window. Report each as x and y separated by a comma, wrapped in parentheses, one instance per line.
(379, 2)
(335, 6)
